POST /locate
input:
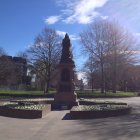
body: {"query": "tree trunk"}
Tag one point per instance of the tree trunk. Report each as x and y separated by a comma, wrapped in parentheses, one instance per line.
(114, 74)
(114, 80)
(45, 88)
(114, 84)
(47, 85)
(92, 86)
(102, 78)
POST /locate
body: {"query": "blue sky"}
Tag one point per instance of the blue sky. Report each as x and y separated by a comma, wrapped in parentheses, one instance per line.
(22, 20)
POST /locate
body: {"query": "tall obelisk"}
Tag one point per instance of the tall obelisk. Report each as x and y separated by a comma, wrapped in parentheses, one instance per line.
(66, 95)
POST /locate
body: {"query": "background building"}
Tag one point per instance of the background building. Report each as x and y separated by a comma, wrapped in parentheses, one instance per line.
(13, 73)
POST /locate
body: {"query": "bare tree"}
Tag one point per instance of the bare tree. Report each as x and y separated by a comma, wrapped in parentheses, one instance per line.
(90, 67)
(108, 44)
(94, 44)
(45, 54)
(120, 54)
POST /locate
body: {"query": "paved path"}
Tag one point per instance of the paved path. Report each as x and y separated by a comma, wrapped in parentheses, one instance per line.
(53, 127)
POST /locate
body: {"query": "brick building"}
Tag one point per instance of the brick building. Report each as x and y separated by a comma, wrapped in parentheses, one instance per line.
(13, 72)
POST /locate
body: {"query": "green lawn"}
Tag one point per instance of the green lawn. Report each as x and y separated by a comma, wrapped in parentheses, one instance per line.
(108, 94)
(80, 93)
(19, 92)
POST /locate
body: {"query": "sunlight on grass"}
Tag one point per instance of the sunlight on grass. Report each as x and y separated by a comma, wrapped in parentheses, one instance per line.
(21, 92)
(79, 93)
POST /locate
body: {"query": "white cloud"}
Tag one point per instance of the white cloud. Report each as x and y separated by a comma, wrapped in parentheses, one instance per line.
(61, 33)
(104, 17)
(135, 52)
(137, 34)
(82, 75)
(52, 19)
(77, 11)
(72, 36)
(83, 11)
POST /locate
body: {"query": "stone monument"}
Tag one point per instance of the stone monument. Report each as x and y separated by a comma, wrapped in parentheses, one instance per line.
(65, 96)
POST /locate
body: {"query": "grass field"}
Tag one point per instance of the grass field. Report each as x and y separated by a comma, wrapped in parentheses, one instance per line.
(21, 92)
(79, 93)
(108, 94)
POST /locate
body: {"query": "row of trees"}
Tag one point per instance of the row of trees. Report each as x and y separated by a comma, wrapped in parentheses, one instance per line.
(111, 53)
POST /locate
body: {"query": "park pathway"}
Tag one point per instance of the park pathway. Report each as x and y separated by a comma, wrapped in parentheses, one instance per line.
(56, 127)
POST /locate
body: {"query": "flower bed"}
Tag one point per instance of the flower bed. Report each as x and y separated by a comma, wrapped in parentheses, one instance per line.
(99, 111)
(24, 111)
(35, 100)
(83, 101)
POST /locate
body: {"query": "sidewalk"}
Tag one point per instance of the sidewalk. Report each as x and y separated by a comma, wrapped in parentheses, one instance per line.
(53, 127)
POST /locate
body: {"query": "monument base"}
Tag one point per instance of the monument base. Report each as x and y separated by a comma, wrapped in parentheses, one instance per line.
(64, 101)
